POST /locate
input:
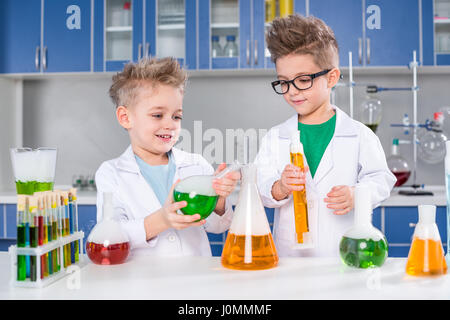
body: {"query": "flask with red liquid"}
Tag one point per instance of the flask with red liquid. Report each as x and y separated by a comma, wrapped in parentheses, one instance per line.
(398, 165)
(108, 243)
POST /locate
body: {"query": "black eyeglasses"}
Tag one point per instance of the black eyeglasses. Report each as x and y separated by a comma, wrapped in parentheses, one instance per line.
(302, 82)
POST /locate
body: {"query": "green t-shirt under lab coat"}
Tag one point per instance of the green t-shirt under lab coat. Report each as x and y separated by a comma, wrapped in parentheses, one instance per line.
(315, 139)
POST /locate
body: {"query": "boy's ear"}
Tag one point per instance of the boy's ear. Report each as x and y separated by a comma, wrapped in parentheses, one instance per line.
(122, 114)
(333, 77)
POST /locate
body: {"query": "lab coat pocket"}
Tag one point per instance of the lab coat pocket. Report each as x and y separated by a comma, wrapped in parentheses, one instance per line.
(190, 170)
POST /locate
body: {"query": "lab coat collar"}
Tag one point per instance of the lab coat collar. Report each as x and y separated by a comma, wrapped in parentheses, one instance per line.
(127, 160)
(344, 125)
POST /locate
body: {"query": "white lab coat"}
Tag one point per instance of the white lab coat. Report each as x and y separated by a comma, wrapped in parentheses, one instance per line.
(353, 156)
(134, 199)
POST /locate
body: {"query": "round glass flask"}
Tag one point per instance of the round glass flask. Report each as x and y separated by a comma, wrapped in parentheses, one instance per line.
(363, 245)
(108, 243)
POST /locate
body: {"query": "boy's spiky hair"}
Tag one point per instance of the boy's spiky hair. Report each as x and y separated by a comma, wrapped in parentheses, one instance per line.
(126, 84)
(303, 35)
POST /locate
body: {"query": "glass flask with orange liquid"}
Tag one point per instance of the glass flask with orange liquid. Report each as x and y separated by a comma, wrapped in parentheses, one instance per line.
(249, 244)
(426, 255)
(304, 238)
(107, 243)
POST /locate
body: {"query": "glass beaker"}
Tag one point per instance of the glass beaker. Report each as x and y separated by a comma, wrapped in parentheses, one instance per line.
(108, 243)
(371, 112)
(426, 255)
(398, 165)
(363, 245)
(249, 244)
(34, 170)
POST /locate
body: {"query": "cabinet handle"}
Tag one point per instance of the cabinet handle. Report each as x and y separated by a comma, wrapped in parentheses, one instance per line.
(412, 225)
(360, 50)
(139, 51)
(147, 49)
(248, 52)
(44, 58)
(256, 52)
(368, 50)
(36, 57)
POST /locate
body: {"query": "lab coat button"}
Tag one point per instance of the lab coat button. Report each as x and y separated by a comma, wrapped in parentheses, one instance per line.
(171, 238)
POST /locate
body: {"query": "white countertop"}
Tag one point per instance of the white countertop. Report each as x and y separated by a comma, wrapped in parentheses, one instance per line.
(203, 278)
(439, 198)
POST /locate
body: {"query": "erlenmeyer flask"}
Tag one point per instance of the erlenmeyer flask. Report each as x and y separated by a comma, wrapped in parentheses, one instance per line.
(363, 245)
(426, 255)
(107, 243)
(249, 244)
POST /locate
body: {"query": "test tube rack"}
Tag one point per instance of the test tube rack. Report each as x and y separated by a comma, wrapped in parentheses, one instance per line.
(15, 251)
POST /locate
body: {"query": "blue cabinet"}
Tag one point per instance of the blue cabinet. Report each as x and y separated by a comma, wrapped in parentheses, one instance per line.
(382, 33)
(153, 28)
(20, 36)
(45, 36)
(67, 36)
(345, 18)
(392, 32)
(240, 22)
(87, 219)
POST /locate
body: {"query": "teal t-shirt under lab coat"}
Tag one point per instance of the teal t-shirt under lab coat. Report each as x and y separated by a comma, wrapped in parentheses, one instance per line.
(160, 178)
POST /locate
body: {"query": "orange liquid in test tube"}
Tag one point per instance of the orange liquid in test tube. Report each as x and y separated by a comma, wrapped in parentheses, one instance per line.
(300, 203)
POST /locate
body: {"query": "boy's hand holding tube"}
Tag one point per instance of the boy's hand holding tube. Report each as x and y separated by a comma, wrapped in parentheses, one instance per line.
(292, 179)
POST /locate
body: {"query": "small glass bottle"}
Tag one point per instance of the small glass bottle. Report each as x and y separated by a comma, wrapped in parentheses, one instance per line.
(398, 165)
(216, 49)
(231, 49)
(363, 245)
(108, 243)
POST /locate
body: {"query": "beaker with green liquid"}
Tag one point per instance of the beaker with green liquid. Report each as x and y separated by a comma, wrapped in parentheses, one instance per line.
(363, 245)
(34, 169)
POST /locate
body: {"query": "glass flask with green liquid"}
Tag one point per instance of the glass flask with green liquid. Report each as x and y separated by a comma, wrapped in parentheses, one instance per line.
(198, 192)
(363, 245)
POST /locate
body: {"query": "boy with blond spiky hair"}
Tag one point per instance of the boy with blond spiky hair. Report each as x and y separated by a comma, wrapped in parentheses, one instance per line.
(149, 104)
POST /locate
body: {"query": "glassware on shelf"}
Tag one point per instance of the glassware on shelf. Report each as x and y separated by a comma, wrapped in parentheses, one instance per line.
(231, 49)
(398, 165)
(371, 112)
(426, 255)
(216, 49)
(431, 143)
(286, 7)
(171, 29)
(108, 243)
(363, 245)
(271, 10)
(249, 244)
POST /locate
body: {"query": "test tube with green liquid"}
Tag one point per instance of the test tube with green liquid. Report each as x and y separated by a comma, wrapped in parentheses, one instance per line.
(21, 238)
(34, 234)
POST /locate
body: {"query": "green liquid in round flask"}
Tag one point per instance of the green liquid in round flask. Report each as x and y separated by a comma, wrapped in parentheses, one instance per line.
(363, 245)
(199, 194)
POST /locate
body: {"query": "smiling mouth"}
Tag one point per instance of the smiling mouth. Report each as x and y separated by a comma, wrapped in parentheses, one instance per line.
(165, 137)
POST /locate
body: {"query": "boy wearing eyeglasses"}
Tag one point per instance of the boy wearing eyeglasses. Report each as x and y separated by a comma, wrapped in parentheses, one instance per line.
(339, 152)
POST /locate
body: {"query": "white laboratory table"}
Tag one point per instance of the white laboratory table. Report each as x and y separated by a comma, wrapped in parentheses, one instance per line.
(204, 278)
